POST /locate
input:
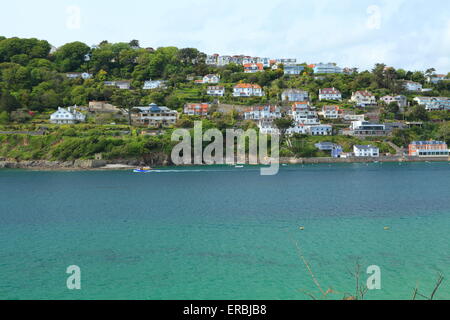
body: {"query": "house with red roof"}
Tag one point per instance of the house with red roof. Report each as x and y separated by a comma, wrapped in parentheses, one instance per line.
(330, 94)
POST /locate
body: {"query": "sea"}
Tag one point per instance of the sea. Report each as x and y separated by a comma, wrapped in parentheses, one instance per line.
(226, 233)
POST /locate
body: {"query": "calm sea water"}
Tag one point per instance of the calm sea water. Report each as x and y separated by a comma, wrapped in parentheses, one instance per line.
(223, 232)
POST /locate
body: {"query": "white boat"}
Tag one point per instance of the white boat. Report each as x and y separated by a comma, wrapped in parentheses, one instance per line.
(239, 167)
(143, 170)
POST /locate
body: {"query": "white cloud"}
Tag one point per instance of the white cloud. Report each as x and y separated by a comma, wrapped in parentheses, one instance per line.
(412, 34)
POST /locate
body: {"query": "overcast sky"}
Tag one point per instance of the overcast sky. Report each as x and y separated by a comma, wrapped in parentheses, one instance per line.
(410, 34)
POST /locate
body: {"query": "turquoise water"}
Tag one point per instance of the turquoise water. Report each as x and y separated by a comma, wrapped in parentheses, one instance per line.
(223, 232)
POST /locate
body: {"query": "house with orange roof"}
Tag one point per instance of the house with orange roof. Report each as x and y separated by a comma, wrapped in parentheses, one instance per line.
(253, 67)
(196, 109)
(247, 90)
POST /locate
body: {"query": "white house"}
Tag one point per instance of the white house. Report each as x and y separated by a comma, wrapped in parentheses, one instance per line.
(223, 61)
(82, 75)
(400, 100)
(302, 113)
(320, 130)
(154, 84)
(354, 117)
(328, 68)
(266, 126)
(123, 85)
(247, 90)
(211, 79)
(330, 94)
(154, 116)
(216, 91)
(293, 69)
(434, 103)
(262, 113)
(212, 59)
(436, 78)
(331, 112)
(294, 95)
(412, 86)
(368, 151)
(363, 98)
(367, 129)
(67, 116)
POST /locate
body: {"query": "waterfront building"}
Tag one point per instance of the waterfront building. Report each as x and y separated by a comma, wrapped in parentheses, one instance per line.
(428, 149)
(335, 149)
(367, 151)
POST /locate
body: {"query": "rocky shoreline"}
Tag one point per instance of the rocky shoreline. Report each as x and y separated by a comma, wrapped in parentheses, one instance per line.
(45, 165)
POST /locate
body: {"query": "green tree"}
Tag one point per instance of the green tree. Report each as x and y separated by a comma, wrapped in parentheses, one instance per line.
(8, 102)
(71, 56)
(283, 124)
(127, 100)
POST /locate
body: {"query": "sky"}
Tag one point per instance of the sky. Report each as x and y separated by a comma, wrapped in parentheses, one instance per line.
(408, 34)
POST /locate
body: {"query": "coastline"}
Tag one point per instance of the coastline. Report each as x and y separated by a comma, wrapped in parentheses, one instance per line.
(117, 165)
